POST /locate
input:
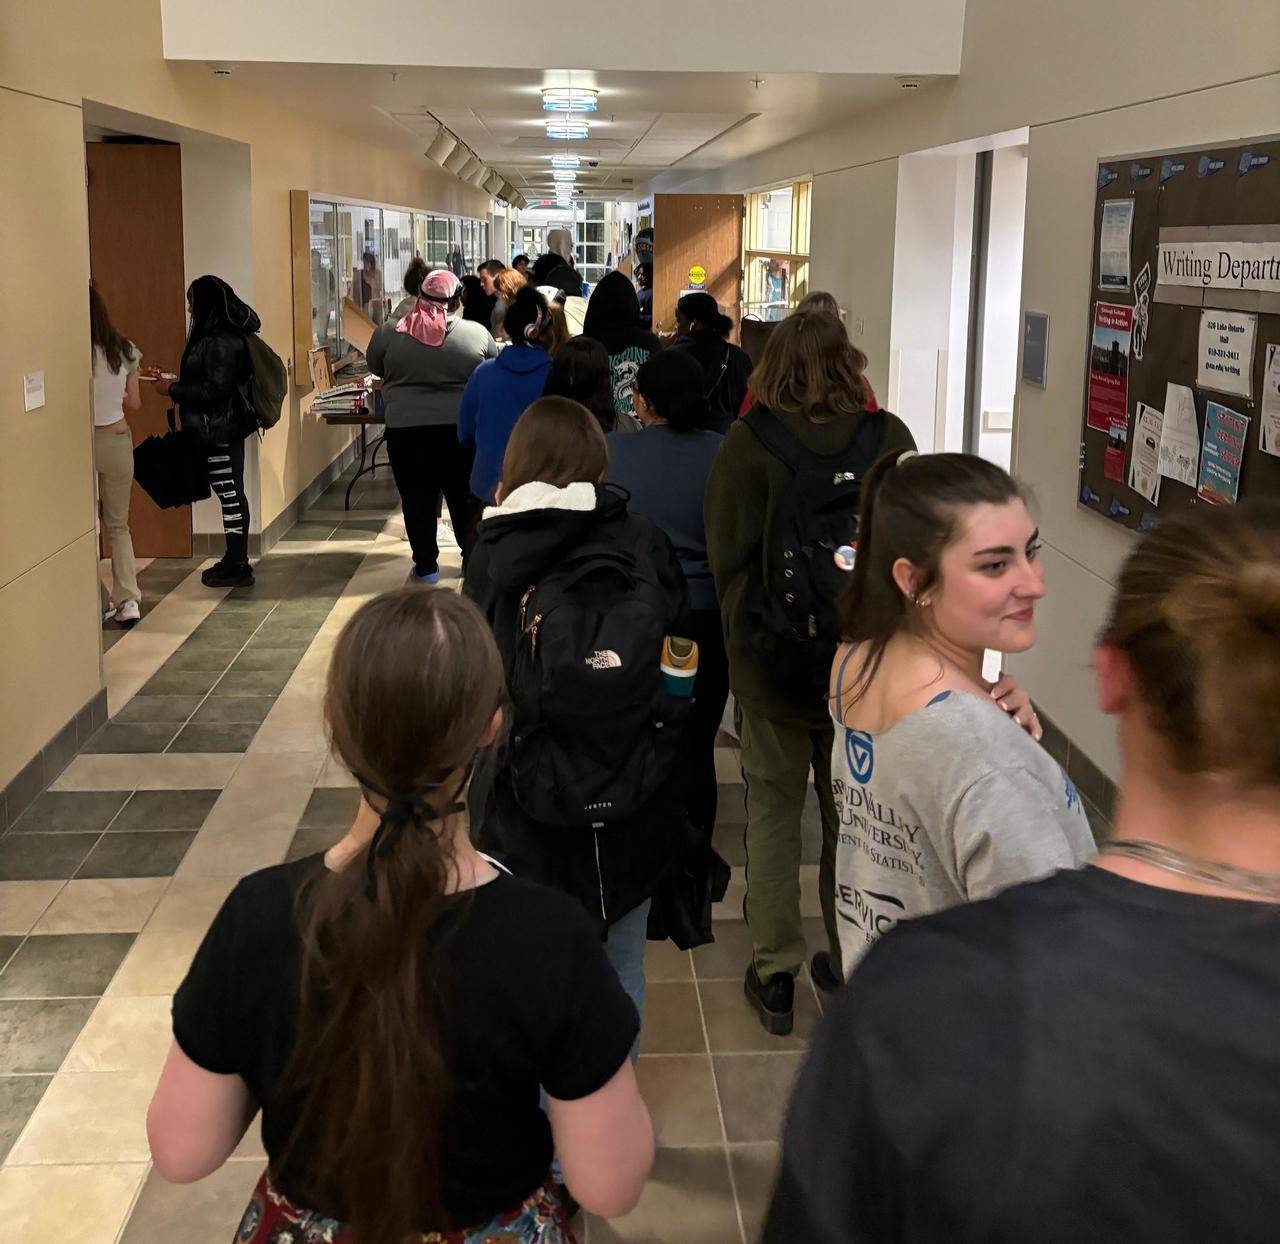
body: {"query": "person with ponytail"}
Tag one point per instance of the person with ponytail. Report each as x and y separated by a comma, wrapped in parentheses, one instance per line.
(500, 390)
(665, 470)
(726, 369)
(943, 797)
(1092, 1056)
(395, 1006)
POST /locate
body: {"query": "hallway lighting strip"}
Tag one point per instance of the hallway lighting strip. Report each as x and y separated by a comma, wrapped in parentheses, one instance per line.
(565, 161)
(569, 99)
(567, 129)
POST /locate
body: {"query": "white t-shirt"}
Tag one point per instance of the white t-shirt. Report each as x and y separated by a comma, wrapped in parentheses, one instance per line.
(108, 386)
(955, 802)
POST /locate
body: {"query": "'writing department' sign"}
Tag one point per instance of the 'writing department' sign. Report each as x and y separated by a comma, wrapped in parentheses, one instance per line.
(1220, 265)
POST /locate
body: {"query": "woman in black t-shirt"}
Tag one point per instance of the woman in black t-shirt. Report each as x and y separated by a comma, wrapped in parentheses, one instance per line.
(396, 1006)
(1094, 1056)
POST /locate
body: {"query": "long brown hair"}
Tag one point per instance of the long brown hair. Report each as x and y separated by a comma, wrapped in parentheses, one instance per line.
(556, 441)
(811, 368)
(910, 507)
(1197, 612)
(413, 686)
(103, 332)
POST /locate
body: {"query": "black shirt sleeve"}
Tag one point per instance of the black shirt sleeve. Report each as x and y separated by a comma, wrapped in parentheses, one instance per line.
(206, 1020)
(213, 385)
(598, 1022)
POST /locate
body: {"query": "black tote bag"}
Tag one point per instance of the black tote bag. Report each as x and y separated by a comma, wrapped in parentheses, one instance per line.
(171, 469)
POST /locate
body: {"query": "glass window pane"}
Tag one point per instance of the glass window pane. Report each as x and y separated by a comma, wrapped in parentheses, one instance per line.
(360, 247)
(421, 234)
(771, 220)
(397, 250)
(324, 281)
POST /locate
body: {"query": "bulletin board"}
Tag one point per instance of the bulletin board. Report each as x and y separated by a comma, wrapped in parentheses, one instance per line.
(1182, 371)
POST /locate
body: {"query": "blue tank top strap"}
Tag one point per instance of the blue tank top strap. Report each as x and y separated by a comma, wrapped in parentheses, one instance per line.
(937, 699)
(837, 711)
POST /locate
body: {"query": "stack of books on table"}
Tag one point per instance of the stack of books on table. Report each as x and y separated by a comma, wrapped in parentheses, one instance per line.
(344, 399)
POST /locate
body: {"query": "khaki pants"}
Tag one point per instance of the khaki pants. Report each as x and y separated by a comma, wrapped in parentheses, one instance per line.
(113, 457)
(776, 757)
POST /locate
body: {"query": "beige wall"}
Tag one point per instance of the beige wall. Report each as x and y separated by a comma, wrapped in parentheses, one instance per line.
(55, 55)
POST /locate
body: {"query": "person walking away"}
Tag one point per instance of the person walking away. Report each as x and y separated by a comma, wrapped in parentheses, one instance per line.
(580, 372)
(644, 293)
(210, 394)
(664, 470)
(947, 569)
(115, 388)
(581, 594)
(613, 319)
(506, 285)
(557, 266)
(726, 368)
(414, 275)
(1132, 1000)
(781, 502)
(394, 1005)
(425, 361)
(477, 306)
(499, 391)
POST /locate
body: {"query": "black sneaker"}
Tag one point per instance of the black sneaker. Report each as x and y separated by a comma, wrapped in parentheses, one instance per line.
(228, 574)
(824, 975)
(773, 999)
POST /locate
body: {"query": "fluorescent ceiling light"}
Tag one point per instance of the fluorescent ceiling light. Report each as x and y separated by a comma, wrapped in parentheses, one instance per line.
(569, 99)
(565, 161)
(567, 129)
(563, 174)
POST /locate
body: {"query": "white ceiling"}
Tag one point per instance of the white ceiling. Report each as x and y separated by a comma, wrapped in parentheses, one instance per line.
(647, 121)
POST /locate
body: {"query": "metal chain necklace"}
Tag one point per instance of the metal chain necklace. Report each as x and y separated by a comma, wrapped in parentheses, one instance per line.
(1265, 885)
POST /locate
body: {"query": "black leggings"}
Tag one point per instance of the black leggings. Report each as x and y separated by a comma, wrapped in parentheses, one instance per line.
(710, 691)
(426, 462)
(226, 478)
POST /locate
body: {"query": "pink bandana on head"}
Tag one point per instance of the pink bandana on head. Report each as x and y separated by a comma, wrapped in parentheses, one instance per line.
(426, 322)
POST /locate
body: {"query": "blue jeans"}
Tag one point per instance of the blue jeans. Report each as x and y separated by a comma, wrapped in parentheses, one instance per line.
(624, 948)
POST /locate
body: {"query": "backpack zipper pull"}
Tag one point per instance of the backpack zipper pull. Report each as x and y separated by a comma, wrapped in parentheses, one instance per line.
(533, 634)
(524, 603)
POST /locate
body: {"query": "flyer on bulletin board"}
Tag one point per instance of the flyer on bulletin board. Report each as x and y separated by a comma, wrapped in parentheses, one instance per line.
(1269, 417)
(1113, 250)
(1109, 366)
(1223, 454)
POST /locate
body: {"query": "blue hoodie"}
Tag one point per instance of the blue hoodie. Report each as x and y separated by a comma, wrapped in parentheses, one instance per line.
(495, 397)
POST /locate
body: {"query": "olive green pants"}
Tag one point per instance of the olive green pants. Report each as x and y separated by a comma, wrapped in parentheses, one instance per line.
(776, 759)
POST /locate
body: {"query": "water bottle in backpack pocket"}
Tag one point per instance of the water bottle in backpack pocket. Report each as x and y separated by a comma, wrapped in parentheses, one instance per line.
(595, 733)
(806, 550)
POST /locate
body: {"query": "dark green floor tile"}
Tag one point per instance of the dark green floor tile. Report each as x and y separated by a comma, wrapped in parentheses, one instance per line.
(155, 853)
(43, 857)
(175, 708)
(19, 1096)
(223, 627)
(294, 634)
(64, 965)
(215, 737)
(35, 1036)
(71, 811)
(142, 736)
(110, 637)
(253, 682)
(264, 658)
(311, 842)
(165, 809)
(330, 808)
(309, 531)
(179, 682)
(196, 655)
(8, 944)
(233, 708)
(731, 804)
(357, 533)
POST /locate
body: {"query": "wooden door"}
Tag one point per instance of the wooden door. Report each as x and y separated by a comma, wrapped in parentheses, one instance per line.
(135, 257)
(696, 231)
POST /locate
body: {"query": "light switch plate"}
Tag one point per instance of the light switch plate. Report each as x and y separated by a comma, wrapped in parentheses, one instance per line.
(33, 390)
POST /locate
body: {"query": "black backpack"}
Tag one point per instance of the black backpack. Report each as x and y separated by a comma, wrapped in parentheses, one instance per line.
(798, 628)
(595, 735)
(268, 383)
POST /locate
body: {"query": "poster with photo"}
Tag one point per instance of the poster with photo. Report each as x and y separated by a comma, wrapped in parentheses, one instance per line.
(1113, 458)
(1109, 366)
(1225, 432)
(1144, 460)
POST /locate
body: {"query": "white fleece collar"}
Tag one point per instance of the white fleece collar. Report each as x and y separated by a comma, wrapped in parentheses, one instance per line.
(538, 496)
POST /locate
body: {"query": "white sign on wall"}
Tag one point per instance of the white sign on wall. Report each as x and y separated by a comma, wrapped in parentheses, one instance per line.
(1220, 265)
(1226, 351)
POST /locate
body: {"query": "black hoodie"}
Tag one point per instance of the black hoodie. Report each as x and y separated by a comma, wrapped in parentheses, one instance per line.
(613, 319)
(611, 872)
(211, 391)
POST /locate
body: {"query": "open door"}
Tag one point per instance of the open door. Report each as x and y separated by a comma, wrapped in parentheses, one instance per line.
(135, 256)
(697, 243)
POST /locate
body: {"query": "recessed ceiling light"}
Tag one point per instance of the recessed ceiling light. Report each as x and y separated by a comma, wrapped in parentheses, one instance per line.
(569, 99)
(563, 174)
(567, 129)
(565, 161)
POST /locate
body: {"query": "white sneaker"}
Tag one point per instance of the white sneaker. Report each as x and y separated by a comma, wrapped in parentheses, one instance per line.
(128, 613)
(108, 613)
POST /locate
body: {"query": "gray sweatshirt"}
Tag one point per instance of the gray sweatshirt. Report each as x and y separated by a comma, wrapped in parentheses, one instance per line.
(422, 385)
(953, 803)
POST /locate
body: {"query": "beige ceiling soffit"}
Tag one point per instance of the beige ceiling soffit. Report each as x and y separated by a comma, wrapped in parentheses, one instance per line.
(737, 125)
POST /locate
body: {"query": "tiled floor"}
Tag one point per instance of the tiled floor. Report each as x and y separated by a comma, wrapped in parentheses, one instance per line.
(213, 764)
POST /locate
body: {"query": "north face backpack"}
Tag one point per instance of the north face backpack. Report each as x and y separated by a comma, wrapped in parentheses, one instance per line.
(595, 734)
(816, 515)
(268, 384)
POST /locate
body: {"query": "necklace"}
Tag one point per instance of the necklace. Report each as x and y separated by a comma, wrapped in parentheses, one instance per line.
(1212, 872)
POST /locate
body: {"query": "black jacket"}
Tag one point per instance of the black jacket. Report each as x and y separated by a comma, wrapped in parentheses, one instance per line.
(613, 871)
(212, 389)
(613, 317)
(726, 368)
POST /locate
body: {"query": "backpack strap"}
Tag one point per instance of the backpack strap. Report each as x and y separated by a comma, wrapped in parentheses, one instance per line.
(773, 435)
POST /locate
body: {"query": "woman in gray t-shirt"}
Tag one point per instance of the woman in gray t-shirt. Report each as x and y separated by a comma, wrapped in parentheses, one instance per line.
(943, 797)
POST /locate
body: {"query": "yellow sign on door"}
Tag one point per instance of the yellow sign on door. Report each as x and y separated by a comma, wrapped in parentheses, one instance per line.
(697, 276)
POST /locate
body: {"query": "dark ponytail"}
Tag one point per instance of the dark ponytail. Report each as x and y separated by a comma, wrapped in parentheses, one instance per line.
(909, 508)
(528, 318)
(701, 308)
(413, 685)
(674, 386)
